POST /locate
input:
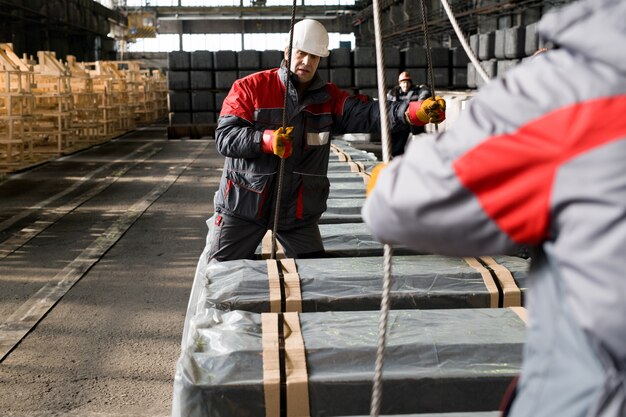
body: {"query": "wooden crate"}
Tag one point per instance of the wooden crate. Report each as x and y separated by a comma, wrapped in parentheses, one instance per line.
(54, 107)
(16, 111)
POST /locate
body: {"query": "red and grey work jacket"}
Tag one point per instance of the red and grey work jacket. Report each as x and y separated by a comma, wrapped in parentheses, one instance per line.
(254, 104)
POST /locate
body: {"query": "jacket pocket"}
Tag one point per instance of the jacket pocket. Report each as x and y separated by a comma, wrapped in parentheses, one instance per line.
(312, 195)
(245, 194)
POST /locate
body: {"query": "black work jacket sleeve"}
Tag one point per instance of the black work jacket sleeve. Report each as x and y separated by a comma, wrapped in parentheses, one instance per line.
(359, 116)
(237, 138)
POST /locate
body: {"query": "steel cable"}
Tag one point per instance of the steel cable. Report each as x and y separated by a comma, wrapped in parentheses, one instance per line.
(388, 252)
(281, 169)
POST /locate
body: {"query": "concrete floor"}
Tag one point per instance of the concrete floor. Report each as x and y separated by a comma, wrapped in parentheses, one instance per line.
(97, 256)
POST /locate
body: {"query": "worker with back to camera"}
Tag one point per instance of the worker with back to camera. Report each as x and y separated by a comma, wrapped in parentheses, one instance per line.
(405, 90)
(249, 134)
(538, 158)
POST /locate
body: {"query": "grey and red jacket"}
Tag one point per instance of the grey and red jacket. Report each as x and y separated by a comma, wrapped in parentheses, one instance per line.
(538, 158)
(254, 104)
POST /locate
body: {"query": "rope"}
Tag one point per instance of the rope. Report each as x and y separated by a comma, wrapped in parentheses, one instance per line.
(429, 60)
(388, 254)
(281, 169)
(479, 69)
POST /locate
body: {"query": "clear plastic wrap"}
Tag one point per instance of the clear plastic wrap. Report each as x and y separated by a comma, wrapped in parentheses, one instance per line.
(443, 360)
(344, 284)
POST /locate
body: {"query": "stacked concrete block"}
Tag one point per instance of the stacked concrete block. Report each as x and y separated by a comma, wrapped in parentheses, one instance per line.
(504, 65)
(340, 68)
(498, 44)
(178, 85)
(491, 68)
(501, 50)
(271, 59)
(531, 40)
(515, 42)
(486, 46)
(459, 61)
(416, 63)
(323, 68)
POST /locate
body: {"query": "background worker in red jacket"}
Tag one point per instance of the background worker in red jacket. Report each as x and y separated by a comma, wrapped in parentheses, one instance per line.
(249, 135)
(407, 91)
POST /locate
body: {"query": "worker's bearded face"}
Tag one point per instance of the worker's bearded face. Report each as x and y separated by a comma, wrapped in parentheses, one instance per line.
(303, 65)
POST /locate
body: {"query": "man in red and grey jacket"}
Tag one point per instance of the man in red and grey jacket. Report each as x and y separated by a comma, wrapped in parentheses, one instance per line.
(538, 158)
(249, 134)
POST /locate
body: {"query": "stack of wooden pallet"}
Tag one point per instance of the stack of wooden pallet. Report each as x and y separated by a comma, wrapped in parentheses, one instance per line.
(54, 106)
(16, 110)
(85, 119)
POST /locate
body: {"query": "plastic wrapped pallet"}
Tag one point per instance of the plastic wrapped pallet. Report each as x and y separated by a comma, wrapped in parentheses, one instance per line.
(345, 284)
(455, 360)
(347, 190)
(343, 210)
(349, 240)
(249, 60)
(470, 414)
(201, 80)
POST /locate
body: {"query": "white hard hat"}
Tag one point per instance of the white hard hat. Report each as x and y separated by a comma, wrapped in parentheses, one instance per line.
(310, 36)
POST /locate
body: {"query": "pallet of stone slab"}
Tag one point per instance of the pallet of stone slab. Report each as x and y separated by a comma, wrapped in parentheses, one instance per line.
(468, 414)
(343, 210)
(351, 284)
(350, 166)
(343, 240)
(350, 189)
(339, 147)
(321, 364)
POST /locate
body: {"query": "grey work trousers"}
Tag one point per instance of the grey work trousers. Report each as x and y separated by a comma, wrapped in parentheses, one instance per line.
(233, 238)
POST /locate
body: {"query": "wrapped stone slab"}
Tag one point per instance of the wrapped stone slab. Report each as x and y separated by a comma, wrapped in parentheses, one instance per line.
(343, 240)
(343, 210)
(470, 414)
(348, 284)
(348, 190)
(436, 361)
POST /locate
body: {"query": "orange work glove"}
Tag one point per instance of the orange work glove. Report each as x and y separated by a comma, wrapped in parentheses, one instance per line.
(278, 142)
(428, 111)
(374, 177)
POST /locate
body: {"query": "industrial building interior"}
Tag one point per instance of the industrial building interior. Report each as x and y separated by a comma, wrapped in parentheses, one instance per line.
(108, 171)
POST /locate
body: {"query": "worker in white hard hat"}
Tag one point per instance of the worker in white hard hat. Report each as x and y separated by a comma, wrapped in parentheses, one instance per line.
(407, 91)
(251, 137)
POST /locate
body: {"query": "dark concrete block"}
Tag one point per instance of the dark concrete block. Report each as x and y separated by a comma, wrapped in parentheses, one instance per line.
(224, 60)
(201, 60)
(514, 42)
(340, 58)
(178, 80)
(202, 101)
(249, 60)
(201, 80)
(179, 101)
(178, 60)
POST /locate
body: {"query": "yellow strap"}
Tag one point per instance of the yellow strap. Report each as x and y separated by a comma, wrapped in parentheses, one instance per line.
(266, 247)
(295, 368)
(512, 296)
(291, 281)
(271, 364)
(490, 284)
(293, 292)
(273, 281)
